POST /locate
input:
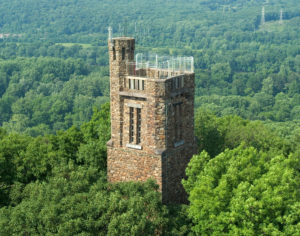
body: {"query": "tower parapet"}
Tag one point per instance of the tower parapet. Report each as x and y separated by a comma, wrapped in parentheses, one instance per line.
(152, 119)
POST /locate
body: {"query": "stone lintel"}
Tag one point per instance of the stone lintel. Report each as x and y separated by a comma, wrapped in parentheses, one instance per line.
(133, 146)
(136, 77)
(134, 105)
(133, 94)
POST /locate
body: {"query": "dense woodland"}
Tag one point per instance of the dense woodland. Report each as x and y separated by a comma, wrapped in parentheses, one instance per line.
(54, 117)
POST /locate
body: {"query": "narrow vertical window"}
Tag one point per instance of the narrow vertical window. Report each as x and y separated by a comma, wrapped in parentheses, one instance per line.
(138, 125)
(172, 84)
(177, 82)
(131, 125)
(132, 53)
(138, 85)
(114, 53)
(180, 122)
(177, 130)
(143, 84)
(123, 53)
(175, 121)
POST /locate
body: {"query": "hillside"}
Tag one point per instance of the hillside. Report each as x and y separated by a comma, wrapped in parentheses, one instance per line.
(242, 67)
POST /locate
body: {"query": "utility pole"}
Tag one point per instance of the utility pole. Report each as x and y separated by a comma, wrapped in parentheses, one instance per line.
(281, 17)
(125, 28)
(263, 16)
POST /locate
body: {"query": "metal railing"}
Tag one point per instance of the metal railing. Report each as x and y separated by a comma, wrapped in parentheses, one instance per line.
(159, 67)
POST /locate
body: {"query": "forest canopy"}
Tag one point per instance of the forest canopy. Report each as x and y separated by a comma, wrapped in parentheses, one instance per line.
(242, 67)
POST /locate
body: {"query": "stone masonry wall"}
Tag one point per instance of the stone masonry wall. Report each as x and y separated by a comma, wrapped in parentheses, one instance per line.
(132, 165)
(174, 164)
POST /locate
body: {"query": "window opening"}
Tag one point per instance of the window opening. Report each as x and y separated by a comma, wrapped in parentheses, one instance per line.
(123, 53)
(178, 121)
(138, 125)
(138, 85)
(131, 125)
(182, 82)
(114, 53)
(177, 82)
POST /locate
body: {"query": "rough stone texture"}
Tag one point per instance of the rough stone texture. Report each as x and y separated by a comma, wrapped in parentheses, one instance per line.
(162, 154)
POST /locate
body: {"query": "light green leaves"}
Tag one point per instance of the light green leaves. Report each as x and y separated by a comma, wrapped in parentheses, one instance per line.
(244, 192)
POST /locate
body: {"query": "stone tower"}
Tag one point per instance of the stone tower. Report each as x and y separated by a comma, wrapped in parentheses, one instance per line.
(152, 119)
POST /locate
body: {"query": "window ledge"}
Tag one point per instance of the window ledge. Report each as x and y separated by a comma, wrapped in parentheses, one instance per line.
(179, 143)
(133, 93)
(133, 146)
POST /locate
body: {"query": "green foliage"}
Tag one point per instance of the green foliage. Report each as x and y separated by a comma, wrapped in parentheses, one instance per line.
(77, 200)
(2, 133)
(208, 133)
(46, 94)
(244, 192)
(99, 126)
(11, 149)
(24, 159)
(215, 134)
(178, 221)
(56, 184)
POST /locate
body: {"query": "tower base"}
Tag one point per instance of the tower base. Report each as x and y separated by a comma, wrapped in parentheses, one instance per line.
(167, 168)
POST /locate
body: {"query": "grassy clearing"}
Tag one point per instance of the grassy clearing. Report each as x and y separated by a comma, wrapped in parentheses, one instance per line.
(84, 45)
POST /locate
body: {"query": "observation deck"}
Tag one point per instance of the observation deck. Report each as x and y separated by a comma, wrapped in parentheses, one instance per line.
(159, 67)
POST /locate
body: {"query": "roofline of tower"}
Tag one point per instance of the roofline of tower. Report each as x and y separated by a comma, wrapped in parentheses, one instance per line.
(159, 79)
